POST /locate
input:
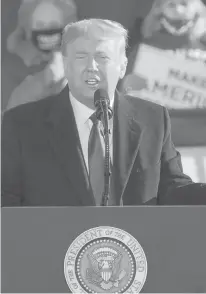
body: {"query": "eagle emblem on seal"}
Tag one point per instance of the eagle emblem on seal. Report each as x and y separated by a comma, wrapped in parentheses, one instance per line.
(105, 260)
(105, 268)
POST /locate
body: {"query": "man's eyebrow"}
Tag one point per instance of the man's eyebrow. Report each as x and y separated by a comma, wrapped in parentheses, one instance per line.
(81, 52)
(101, 52)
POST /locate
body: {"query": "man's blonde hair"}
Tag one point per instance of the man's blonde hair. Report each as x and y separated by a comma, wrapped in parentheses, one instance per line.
(100, 29)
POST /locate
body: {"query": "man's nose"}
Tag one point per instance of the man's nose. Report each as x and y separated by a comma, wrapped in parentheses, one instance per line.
(92, 64)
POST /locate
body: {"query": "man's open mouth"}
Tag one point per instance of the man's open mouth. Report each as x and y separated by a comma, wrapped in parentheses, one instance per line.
(92, 82)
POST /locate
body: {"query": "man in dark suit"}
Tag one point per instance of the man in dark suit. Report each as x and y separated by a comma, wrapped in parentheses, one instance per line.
(52, 155)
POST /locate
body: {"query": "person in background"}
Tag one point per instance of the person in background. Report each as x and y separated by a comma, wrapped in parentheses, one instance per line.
(175, 24)
(177, 27)
(36, 40)
(53, 149)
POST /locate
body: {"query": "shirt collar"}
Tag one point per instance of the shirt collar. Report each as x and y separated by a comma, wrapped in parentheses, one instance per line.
(81, 111)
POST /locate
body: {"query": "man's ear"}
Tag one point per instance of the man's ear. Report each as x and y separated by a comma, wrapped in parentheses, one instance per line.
(65, 63)
(123, 67)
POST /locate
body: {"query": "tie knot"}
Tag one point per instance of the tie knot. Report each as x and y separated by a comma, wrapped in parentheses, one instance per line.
(94, 119)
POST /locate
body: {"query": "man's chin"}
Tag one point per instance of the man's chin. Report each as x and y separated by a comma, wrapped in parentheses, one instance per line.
(88, 99)
(89, 92)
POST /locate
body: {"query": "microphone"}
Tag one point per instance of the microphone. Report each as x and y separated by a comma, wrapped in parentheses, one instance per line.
(104, 113)
(102, 104)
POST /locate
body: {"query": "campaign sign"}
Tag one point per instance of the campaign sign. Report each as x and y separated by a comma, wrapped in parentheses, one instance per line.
(169, 78)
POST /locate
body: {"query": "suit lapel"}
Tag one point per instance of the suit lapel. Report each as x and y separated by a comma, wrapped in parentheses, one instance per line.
(126, 141)
(64, 140)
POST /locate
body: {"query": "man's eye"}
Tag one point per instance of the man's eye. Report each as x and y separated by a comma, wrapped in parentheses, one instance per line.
(103, 57)
(80, 56)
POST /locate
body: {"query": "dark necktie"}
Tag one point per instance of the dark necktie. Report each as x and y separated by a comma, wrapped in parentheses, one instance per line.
(96, 160)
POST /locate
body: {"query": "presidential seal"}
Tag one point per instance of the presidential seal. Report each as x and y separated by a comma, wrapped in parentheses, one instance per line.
(105, 260)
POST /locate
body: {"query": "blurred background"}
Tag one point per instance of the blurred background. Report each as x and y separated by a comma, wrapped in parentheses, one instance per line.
(147, 39)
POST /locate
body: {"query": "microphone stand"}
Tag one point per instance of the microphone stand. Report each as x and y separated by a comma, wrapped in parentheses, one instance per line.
(107, 166)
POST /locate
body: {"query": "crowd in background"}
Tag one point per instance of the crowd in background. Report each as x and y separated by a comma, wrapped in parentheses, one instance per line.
(177, 25)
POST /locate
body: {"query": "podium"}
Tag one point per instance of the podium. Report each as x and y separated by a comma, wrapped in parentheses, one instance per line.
(35, 242)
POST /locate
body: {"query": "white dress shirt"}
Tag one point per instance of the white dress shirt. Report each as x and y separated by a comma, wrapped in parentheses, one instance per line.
(84, 124)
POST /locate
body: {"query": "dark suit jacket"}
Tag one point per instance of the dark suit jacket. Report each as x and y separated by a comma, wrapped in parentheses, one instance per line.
(43, 164)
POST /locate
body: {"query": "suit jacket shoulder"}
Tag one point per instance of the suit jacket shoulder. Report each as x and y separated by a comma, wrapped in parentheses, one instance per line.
(143, 103)
(31, 112)
(146, 112)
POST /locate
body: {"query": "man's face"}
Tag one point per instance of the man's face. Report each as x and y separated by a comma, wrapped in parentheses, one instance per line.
(91, 64)
(179, 10)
